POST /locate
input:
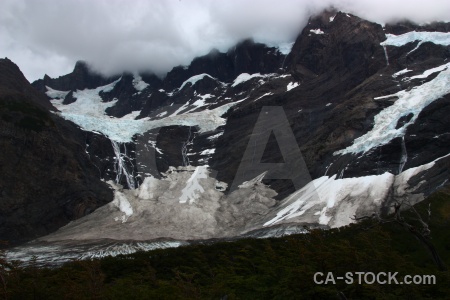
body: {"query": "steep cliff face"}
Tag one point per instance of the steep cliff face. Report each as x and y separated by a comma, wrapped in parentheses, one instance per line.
(365, 104)
(47, 178)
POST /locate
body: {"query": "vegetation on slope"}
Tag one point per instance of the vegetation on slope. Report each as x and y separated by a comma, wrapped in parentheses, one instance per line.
(277, 268)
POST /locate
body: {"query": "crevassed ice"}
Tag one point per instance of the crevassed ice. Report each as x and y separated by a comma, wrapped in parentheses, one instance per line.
(55, 94)
(123, 130)
(409, 102)
(438, 38)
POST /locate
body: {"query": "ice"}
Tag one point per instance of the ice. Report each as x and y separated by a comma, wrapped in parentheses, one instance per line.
(430, 71)
(201, 102)
(251, 183)
(438, 38)
(395, 75)
(292, 85)
(332, 18)
(408, 102)
(121, 202)
(194, 79)
(193, 186)
(132, 115)
(123, 130)
(55, 94)
(266, 94)
(282, 47)
(160, 115)
(216, 136)
(88, 102)
(208, 152)
(328, 104)
(245, 77)
(317, 31)
(333, 202)
(148, 188)
(138, 83)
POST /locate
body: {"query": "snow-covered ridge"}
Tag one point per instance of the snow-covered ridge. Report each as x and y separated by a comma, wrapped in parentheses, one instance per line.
(194, 79)
(408, 102)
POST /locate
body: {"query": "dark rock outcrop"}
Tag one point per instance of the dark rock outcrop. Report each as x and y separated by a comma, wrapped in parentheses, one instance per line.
(47, 178)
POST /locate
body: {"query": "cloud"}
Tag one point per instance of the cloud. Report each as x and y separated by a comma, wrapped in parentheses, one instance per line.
(49, 36)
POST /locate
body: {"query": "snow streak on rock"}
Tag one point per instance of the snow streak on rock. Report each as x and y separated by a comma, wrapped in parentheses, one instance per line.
(408, 102)
(193, 186)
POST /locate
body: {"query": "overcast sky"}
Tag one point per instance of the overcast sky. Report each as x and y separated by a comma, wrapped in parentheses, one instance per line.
(49, 36)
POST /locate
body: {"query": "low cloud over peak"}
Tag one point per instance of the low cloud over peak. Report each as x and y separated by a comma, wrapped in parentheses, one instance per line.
(49, 36)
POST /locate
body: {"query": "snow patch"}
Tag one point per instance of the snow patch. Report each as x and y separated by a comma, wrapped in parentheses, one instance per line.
(401, 72)
(208, 152)
(266, 94)
(245, 77)
(216, 136)
(292, 85)
(317, 31)
(193, 186)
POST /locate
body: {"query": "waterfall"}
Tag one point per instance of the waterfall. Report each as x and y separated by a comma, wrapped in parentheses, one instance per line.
(282, 65)
(404, 156)
(386, 55)
(120, 167)
(184, 149)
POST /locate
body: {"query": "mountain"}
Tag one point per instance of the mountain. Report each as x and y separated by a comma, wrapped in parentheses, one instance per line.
(47, 178)
(259, 142)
